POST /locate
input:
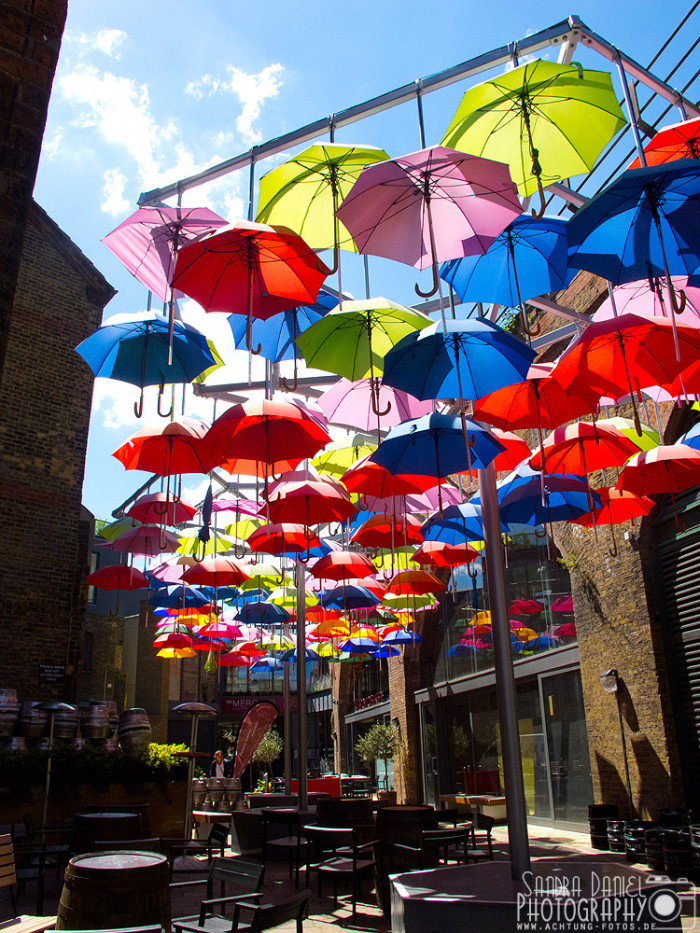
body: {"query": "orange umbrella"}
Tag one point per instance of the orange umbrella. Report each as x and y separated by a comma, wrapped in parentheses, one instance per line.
(667, 469)
(677, 141)
(618, 505)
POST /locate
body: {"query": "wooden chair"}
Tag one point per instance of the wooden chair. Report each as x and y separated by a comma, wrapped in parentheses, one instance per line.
(233, 874)
(290, 841)
(333, 854)
(263, 916)
(436, 844)
(475, 851)
(32, 868)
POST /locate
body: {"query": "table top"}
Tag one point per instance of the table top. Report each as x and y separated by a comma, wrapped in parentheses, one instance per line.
(110, 861)
(108, 815)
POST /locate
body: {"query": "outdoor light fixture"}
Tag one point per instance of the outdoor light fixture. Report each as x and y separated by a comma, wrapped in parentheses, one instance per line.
(610, 682)
(395, 722)
(195, 710)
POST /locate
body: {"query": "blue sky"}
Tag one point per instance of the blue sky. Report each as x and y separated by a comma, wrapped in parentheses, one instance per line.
(148, 92)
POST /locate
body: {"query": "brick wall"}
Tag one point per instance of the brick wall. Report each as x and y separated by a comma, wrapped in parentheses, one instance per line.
(45, 398)
(30, 39)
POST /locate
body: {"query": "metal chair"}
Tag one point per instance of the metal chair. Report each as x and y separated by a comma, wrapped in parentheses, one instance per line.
(474, 852)
(292, 841)
(217, 842)
(333, 853)
(436, 844)
(238, 874)
(263, 916)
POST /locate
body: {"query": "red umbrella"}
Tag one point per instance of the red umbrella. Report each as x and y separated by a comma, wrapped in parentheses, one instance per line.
(381, 531)
(414, 583)
(175, 447)
(525, 607)
(566, 630)
(172, 640)
(155, 507)
(249, 268)
(234, 658)
(282, 538)
(582, 447)
(618, 506)
(279, 434)
(117, 577)
(216, 572)
(626, 354)
(343, 566)
(370, 479)
(516, 450)
(563, 604)
(677, 141)
(146, 540)
(440, 554)
(670, 468)
(310, 502)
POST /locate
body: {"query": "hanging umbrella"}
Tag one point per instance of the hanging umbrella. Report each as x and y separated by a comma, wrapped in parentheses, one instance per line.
(440, 554)
(405, 503)
(624, 355)
(691, 438)
(194, 546)
(648, 438)
(547, 121)
(563, 604)
(135, 348)
(347, 597)
(529, 258)
(370, 479)
(430, 206)
(414, 582)
(583, 447)
(617, 506)
(248, 268)
(305, 192)
(515, 450)
(239, 506)
(350, 404)
(155, 507)
(147, 242)
(216, 572)
(117, 577)
(385, 531)
(282, 538)
(145, 540)
(565, 498)
(112, 530)
(676, 141)
(649, 298)
(525, 607)
(179, 595)
(310, 502)
(342, 565)
(275, 434)
(262, 613)
(642, 225)
(277, 335)
(352, 339)
(458, 524)
(666, 469)
(336, 460)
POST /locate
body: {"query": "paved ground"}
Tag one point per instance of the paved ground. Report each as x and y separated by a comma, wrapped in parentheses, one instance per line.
(544, 843)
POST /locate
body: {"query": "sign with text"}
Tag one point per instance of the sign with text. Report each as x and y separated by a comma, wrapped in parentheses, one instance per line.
(241, 704)
(52, 673)
(255, 724)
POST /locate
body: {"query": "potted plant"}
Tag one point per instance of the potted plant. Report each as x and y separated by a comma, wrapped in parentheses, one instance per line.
(268, 751)
(379, 743)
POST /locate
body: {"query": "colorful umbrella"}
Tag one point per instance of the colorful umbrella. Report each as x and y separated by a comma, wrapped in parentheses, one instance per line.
(216, 572)
(385, 531)
(429, 206)
(649, 298)
(525, 607)
(617, 506)
(310, 502)
(155, 507)
(145, 540)
(351, 404)
(248, 268)
(172, 448)
(342, 566)
(370, 479)
(583, 447)
(547, 121)
(440, 554)
(414, 582)
(117, 577)
(282, 538)
(669, 468)
(677, 141)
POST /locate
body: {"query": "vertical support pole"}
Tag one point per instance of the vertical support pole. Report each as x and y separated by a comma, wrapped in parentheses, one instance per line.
(630, 799)
(47, 787)
(630, 108)
(505, 681)
(287, 719)
(190, 776)
(302, 757)
(421, 121)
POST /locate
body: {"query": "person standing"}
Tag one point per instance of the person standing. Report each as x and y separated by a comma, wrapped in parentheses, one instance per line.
(220, 767)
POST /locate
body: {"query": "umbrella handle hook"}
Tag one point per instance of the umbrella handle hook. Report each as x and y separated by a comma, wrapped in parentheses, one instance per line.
(336, 262)
(540, 534)
(285, 385)
(678, 308)
(162, 414)
(374, 398)
(680, 525)
(249, 338)
(304, 560)
(529, 331)
(138, 406)
(160, 508)
(612, 551)
(436, 284)
(279, 580)
(473, 576)
(236, 554)
(543, 205)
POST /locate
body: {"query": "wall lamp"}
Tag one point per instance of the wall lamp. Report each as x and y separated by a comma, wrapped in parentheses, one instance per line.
(610, 682)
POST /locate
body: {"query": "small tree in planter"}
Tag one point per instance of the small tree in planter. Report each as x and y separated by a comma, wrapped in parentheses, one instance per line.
(269, 750)
(380, 742)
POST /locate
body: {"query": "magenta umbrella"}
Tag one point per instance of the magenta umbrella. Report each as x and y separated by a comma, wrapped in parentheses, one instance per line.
(415, 502)
(146, 540)
(430, 206)
(649, 298)
(350, 404)
(147, 241)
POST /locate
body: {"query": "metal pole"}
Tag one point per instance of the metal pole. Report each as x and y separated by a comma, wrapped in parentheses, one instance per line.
(630, 108)
(190, 776)
(287, 719)
(52, 716)
(630, 800)
(505, 682)
(301, 685)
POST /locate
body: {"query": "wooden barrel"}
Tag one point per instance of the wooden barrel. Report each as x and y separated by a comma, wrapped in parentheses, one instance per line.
(65, 723)
(94, 724)
(115, 890)
(653, 844)
(616, 835)
(32, 719)
(104, 825)
(676, 851)
(598, 816)
(348, 811)
(134, 729)
(634, 841)
(673, 817)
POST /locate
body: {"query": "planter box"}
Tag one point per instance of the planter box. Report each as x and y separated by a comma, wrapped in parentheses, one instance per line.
(165, 800)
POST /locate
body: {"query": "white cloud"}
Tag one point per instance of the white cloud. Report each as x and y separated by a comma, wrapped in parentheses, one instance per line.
(107, 41)
(113, 200)
(51, 146)
(252, 90)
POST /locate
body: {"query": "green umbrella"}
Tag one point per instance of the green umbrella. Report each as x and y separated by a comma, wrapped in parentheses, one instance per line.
(112, 530)
(547, 121)
(648, 439)
(353, 339)
(217, 544)
(305, 192)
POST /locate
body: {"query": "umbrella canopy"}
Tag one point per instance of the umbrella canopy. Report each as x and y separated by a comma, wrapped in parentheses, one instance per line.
(215, 571)
(676, 141)
(336, 460)
(525, 607)
(156, 507)
(649, 298)
(618, 506)
(117, 577)
(458, 524)
(276, 336)
(583, 447)
(462, 359)
(384, 531)
(167, 449)
(145, 540)
(644, 441)
(342, 565)
(147, 242)
(349, 596)
(305, 192)
(369, 478)
(192, 544)
(669, 468)
(430, 206)
(414, 502)
(262, 613)
(418, 582)
(351, 404)
(440, 554)
(537, 500)
(310, 502)
(249, 268)
(529, 258)
(282, 538)
(547, 121)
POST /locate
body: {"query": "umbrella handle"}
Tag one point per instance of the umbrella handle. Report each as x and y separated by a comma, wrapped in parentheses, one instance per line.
(529, 332)
(336, 262)
(612, 551)
(249, 337)
(542, 534)
(374, 398)
(236, 554)
(162, 414)
(469, 566)
(279, 580)
(286, 387)
(543, 204)
(678, 308)
(436, 284)
(138, 406)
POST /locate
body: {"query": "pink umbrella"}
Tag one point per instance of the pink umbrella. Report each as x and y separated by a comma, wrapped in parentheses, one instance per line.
(414, 502)
(242, 506)
(147, 540)
(650, 300)
(350, 404)
(147, 241)
(429, 206)
(563, 604)
(159, 508)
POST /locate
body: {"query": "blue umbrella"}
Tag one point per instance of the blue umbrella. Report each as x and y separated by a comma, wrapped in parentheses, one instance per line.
(527, 259)
(386, 651)
(277, 335)
(642, 225)
(457, 359)
(459, 651)
(457, 524)
(401, 637)
(541, 643)
(262, 613)
(178, 596)
(349, 596)
(565, 498)
(266, 664)
(691, 438)
(133, 348)
(291, 655)
(434, 445)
